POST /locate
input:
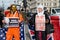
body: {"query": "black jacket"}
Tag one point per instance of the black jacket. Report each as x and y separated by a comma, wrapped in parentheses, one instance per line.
(32, 20)
(1, 18)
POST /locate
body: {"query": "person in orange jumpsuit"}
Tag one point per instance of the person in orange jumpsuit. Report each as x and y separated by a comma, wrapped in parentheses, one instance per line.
(14, 31)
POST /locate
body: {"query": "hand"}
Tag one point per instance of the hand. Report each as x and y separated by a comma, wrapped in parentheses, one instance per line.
(3, 21)
(47, 21)
(19, 21)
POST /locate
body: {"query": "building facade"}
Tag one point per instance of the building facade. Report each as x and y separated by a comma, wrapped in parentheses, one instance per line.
(31, 4)
(49, 3)
(46, 3)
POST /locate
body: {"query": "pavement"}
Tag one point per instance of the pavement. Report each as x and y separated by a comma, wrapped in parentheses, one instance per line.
(27, 36)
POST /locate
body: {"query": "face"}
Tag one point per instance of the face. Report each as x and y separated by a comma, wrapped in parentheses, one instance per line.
(40, 10)
(13, 8)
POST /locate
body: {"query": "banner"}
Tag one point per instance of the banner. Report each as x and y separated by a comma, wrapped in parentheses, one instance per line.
(40, 22)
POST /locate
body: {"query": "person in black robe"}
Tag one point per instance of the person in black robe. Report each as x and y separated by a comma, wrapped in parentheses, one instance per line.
(43, 34)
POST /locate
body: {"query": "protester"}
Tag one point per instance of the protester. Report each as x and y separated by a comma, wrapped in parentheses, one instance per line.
(37, 20)
(13, 30)
(1, 18)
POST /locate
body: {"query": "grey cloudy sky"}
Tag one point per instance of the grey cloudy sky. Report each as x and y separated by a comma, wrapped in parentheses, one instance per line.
(6, 3)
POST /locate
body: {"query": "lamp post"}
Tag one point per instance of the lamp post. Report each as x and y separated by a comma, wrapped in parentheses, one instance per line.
(25, 4)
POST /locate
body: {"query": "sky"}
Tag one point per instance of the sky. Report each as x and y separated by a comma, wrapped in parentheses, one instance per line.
(6, 3)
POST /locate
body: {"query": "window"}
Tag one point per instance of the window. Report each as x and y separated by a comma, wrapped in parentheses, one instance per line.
(49, 4)
(44, 4)
(51, 0)
(54, 0)
(38, 3)
(41, 3)
(53, 11)
(29, 0)
(48, 0)
(54, 4)
(41, 0)
(57, 10)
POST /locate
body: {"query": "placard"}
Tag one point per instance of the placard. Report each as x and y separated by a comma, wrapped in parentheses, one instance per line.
(40, 22)
(13, 22)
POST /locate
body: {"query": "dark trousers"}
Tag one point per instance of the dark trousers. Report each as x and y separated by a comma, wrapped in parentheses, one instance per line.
(40, 35)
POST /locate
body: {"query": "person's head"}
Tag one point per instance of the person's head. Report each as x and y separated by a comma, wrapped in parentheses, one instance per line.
(40, 9)
(13, 7)
(8, 8)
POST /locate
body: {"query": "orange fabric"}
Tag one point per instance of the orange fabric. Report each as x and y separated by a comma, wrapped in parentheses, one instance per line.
(16, 15)
(15, 30)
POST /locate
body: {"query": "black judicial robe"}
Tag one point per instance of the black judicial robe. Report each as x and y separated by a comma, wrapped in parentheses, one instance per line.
(42, 35)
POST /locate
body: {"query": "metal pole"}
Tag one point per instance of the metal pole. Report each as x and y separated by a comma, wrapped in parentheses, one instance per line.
(25, 4)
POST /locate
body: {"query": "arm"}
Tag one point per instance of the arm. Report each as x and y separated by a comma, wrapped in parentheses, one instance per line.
(47, 18)
(5, 16)
(2, 17)
(20, 18)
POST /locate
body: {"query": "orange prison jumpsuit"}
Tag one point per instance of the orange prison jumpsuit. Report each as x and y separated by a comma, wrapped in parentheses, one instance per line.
(14, 31)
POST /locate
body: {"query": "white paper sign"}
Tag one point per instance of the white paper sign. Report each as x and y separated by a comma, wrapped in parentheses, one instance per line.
(40, 22)
(6, 20)
(13, 22)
